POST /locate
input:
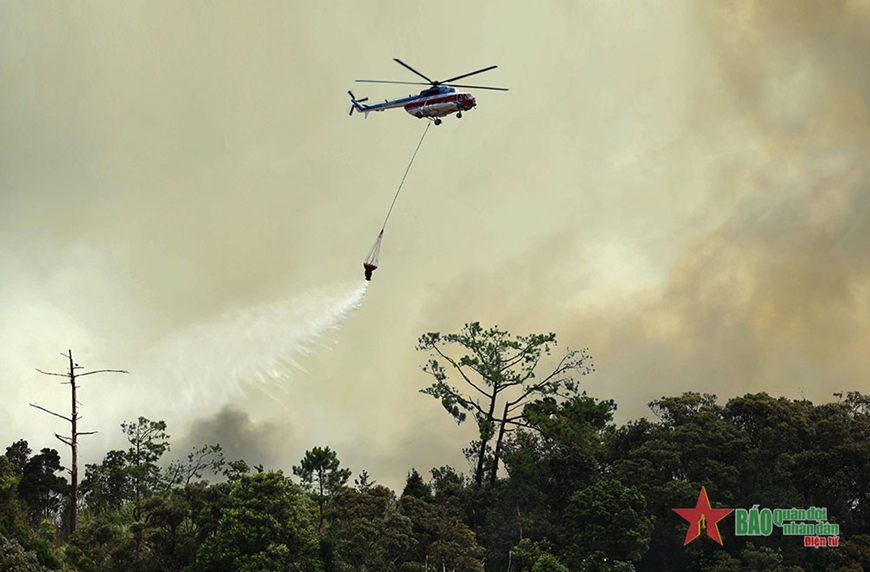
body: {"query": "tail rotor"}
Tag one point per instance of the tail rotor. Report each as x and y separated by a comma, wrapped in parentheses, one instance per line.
(355, 103)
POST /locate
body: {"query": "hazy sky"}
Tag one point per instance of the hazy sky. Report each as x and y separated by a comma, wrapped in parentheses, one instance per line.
(682, 187)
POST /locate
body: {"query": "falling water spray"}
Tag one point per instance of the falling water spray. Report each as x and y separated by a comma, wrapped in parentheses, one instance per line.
(205, 366)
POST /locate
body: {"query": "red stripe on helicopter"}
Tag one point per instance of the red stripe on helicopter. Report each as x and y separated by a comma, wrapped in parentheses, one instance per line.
(422, 103)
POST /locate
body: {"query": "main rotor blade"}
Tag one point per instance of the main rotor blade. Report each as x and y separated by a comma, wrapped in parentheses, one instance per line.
(400, 62)
(385, 81)
(475, 87)
(467, 74)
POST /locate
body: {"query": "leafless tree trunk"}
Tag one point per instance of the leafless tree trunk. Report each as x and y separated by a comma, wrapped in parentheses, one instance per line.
(72, 440)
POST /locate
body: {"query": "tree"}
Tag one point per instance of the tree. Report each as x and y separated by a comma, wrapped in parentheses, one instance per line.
(444, 542)
(10, 510)
(101, 545)
(367, 529)
(448, 486)
(73, 419)
(564, 450)
(177, 524)
(363, 482)
(18, 453)
(37, 486)
(209, 457)
(41, 490)
(13, 531)
(416, 487)
(668, 461)
(606, 522)
(264, 526)
(549, 563)
(107, 486)
(149, 441)
(319, 470)
(535, 557)
(500, 371)
(14, 557)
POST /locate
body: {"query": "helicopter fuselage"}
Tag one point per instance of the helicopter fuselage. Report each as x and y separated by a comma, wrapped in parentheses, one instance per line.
(434, 102)
(438, 101)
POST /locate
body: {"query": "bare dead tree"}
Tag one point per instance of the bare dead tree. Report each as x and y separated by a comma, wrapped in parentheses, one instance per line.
(72, 440)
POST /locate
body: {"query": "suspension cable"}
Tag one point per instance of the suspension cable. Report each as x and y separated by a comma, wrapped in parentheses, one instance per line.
(405, 175)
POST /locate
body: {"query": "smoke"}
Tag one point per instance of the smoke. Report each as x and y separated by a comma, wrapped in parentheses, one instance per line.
(237, 434)
(207, 365)
(690, 201)
(748, 269)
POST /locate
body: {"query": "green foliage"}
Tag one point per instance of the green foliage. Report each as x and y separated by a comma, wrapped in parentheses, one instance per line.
(137, 517)
(579, 494)
(562, 451)
(207, 457)
(14, 557)
(235, 470)
(416, 487)
(168, 536)
(319, 472)
(100, 544)
(761, 559)
(368, 530)
(17, 454)
(607, 518)
(448, 486)
(177, 524)
(264, 526)
(530, 556)
(754, 450)
(134, 475)
(148, 442)
(40, 490)
(108, 485)
(499, 369)
(549, 563)
(693, 445)
(443, 540)
(855, 551)
(363, 482)
(10, 521)
(30, 522)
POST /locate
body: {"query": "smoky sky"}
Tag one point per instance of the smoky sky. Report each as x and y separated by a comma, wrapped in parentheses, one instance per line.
(680, 187)
(238, 437)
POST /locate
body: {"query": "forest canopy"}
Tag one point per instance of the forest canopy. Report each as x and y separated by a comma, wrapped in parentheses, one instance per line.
(552, 484)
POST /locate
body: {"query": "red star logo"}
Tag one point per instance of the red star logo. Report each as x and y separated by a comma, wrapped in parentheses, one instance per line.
(703, 515)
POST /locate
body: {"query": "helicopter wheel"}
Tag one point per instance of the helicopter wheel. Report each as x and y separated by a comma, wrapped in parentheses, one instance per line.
(437, 121)
(458, 115)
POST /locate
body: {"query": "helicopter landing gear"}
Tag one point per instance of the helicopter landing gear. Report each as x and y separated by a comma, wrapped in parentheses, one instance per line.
(458, 115)
(419, 115)
(437, 121)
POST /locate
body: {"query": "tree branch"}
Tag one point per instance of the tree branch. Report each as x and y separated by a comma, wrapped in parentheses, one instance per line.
(67, 419)
(464, 400)
(50, 373)
(530, 372)
(102, 371)
(65, 440)
(560, 369)
(513, 421)
(456, 366)
(510, 362)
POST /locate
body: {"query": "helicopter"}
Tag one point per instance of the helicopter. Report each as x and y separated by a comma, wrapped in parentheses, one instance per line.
(437, 101)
